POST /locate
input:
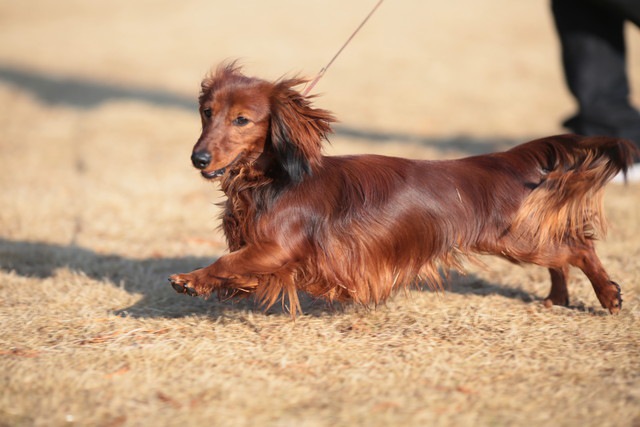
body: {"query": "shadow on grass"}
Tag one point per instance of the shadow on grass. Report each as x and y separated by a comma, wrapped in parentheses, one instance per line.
(84, 93)
(148, 277)
(469, 284)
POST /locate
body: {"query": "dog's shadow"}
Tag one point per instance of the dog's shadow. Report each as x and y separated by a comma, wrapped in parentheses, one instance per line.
(148, 278)
(470, 284)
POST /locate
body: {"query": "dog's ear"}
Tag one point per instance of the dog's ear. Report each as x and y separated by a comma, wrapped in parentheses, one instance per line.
(297, 130)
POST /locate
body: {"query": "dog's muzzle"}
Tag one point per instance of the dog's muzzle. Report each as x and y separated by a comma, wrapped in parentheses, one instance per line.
(200, 159)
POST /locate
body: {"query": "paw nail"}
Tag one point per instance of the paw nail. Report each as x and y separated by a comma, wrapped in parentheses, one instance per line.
(178, 287)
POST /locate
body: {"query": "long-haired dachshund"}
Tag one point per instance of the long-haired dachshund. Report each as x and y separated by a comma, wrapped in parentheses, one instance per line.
(357, 228)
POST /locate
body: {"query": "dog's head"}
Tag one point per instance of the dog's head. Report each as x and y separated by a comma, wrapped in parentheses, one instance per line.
(253, 122)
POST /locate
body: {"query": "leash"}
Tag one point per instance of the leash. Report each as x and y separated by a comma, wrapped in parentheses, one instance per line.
(326, 67)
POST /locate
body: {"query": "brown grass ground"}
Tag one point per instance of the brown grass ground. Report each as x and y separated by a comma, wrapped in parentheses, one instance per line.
(100, 205)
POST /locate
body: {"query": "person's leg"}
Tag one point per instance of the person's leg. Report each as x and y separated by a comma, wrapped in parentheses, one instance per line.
(593, 56)
(629, 9)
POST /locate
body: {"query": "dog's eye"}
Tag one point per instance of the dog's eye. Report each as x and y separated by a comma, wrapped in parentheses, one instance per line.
(240, 121)
(207, 113)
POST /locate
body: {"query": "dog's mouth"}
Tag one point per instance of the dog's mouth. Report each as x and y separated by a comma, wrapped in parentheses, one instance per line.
(214, 174)
(219, 172)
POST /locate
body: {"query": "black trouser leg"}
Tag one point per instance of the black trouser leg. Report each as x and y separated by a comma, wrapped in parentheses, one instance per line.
(593, 55)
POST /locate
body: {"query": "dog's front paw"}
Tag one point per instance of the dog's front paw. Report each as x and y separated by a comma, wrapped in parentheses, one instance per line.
(193, 284)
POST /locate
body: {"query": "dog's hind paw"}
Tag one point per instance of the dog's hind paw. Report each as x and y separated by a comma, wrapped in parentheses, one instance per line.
(182, 285)
(614, 303)
(610, 297)
(551, 301)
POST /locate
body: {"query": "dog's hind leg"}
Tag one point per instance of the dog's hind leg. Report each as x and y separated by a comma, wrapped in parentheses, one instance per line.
(607, 291)
(558, 295)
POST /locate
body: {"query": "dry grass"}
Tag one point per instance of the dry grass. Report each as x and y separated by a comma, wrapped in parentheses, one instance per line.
(100, 205)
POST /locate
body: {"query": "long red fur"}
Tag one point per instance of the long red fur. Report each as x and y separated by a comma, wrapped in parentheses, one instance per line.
(358, 228)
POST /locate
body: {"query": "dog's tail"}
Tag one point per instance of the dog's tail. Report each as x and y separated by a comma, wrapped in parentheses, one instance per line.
(567, 202)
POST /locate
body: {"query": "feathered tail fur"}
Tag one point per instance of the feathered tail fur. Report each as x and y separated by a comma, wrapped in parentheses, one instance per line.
(567, 202)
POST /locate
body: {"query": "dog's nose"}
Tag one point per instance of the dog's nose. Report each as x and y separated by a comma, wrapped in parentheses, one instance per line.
(201, 159)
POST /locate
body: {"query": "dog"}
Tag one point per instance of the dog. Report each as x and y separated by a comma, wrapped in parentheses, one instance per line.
(358, 228)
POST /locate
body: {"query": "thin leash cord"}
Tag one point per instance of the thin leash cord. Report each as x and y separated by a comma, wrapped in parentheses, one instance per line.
(326, 67)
